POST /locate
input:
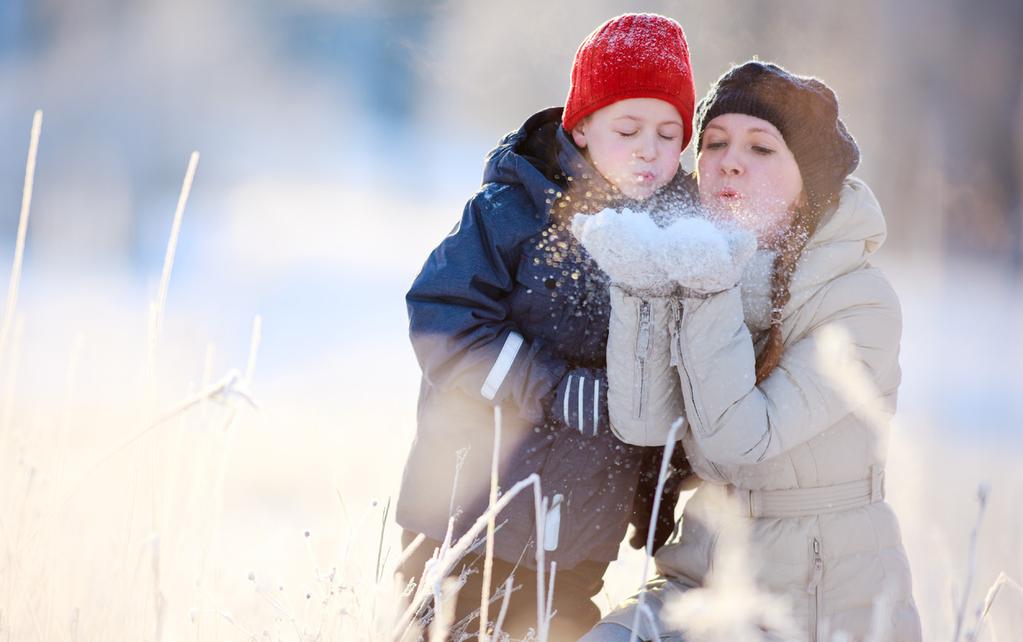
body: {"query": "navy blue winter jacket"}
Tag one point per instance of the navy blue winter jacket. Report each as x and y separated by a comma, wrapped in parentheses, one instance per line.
(501, 310)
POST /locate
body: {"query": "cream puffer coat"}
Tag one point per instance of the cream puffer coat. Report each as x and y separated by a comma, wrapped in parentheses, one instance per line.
(801, 455)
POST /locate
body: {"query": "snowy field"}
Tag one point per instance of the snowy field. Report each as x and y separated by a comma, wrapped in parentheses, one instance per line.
(228, 522)
(142, 500)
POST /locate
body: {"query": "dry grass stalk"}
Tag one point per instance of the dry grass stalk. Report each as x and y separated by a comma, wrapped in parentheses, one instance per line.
(989, 600)
(488, 563)
(172, 246)
(504, 607)
(971, 565)
(157, 308)
(444, 616)
(443, 565)
(19, 247)
(662, 476)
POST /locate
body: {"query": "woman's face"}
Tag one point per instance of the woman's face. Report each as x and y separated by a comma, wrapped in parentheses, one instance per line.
(634, 143)
(747, 175)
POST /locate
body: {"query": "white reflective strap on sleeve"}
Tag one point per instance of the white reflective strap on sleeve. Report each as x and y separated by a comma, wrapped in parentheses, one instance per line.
(502, 366)
(568, 392)
(596, 406)
(582, 389)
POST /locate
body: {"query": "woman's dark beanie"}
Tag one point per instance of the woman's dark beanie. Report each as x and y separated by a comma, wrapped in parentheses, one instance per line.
(803, 109)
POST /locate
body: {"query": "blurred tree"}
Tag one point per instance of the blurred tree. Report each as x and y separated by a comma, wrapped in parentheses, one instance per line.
(932, 89)
(953, 87)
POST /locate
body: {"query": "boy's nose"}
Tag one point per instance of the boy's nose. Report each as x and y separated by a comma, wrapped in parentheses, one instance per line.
(646, 151)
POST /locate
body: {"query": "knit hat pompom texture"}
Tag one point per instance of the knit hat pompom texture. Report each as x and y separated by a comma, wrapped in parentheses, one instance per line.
(635, 55)
(804, 110)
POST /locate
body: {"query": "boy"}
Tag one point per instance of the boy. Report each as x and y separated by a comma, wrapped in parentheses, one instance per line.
(510, 311)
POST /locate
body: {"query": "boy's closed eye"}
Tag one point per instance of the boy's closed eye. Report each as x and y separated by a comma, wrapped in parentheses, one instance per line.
(630, 134)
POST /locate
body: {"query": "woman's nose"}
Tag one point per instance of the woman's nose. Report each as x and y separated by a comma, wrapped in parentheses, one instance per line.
(731, 164)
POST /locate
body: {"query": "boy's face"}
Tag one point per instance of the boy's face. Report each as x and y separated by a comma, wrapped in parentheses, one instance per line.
(634, 143)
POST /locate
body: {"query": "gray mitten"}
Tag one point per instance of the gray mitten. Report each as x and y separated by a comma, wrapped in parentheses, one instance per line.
(646, 260)
(703, 257)
(625, 245)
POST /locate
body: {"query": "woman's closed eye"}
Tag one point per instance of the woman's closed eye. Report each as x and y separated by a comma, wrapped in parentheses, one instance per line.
(763, 151)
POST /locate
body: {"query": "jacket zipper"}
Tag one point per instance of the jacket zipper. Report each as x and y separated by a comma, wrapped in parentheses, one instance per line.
(678, 312)
(814, 588)
(642, 347)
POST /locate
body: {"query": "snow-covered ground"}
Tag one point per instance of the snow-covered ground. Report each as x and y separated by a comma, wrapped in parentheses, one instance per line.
(183, 515)
(315, 208)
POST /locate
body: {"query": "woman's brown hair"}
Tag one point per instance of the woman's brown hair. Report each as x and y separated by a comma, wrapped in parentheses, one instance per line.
(805, 111)
(803, 225)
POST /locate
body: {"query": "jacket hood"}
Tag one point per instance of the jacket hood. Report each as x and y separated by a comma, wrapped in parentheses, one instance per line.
(845, 239)
(856, 228)
(528, 157)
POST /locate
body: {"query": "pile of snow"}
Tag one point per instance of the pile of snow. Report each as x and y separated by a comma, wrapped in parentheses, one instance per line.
(691, 252)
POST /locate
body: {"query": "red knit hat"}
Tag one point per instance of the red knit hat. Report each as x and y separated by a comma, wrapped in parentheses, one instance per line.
(635, 55)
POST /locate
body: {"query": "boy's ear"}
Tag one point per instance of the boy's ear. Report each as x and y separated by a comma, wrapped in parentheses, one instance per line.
(579, 135)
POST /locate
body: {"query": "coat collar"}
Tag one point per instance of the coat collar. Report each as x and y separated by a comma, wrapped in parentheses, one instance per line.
(845, 239)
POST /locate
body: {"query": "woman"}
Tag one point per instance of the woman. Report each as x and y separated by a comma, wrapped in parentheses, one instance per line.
(794, 454)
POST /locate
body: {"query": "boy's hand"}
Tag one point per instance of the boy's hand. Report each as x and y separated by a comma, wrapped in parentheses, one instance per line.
(646, 491)
(580, 401)
(625, 245)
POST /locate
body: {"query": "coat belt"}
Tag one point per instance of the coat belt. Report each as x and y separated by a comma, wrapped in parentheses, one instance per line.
(801, 502)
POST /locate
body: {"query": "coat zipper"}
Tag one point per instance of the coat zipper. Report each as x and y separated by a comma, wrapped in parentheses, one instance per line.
(814, 588)
(678, 312)
(642, 347)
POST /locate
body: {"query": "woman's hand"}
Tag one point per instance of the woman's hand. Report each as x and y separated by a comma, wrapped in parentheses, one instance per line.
(705, 258)
(646, 260)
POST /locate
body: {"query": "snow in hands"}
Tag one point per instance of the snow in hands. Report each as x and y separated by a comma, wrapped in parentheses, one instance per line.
(691, 252)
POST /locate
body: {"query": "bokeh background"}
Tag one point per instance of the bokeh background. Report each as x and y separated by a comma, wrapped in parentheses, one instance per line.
(339, 142)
